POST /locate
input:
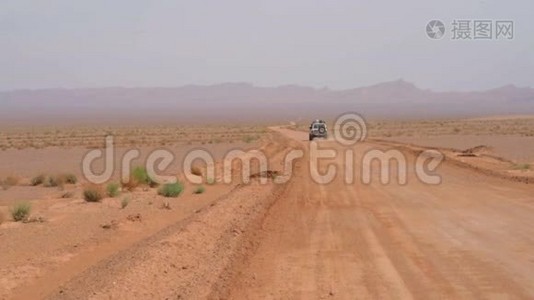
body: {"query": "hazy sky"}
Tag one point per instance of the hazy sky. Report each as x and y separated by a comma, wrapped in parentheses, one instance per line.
(339, 44)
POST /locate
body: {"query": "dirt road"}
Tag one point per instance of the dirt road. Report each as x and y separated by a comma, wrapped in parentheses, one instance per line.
(470, 237)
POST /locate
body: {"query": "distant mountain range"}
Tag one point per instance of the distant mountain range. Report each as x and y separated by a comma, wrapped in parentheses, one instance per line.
(245, 102)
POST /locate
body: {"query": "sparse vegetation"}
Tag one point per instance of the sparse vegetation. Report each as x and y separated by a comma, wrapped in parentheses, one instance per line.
(140, 175)
(199, 189)
(89, 137)
(125, 201)
(70, 178)
(171, 189)
(37, 180)
(93, 193)
(112, 190)
(522, 167)
(210, 181)
(53, 181)
(21, 211)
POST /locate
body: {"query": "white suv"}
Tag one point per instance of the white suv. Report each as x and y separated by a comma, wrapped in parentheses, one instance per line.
(318, 129)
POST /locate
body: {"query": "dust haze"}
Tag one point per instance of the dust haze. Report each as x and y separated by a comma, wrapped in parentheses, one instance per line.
(266, 149)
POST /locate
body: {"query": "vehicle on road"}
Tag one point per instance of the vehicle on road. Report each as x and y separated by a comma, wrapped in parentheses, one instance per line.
(318, 129)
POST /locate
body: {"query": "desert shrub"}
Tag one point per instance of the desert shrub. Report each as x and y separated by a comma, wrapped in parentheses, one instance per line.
(210, 181)
(93, 193)
(112, 190)
(140, 175)
(70, 178)
(171, 189)
(196, 171)
(21, 211)
(199, 189)
(125, 201)
(37, 180)
(53, 181)
(522, 167)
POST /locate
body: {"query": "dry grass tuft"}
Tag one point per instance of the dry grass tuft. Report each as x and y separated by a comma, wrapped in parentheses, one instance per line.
(69, 178)
(37, 180)
(21, 211)
(93, 193)
(113, 190)
(53, 181)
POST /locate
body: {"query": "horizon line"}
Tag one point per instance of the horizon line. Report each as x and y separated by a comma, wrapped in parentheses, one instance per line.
(251, 84)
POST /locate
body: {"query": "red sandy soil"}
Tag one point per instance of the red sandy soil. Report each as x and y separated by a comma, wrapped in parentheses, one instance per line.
(472, 236)
(469, 237)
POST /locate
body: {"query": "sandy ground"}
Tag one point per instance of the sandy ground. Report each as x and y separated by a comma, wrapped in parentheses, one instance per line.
(54, 160)
(69, 235)
(469, 237)
(472, 236)
(515, 148)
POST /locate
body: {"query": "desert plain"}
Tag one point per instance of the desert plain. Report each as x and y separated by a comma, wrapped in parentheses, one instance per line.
(470, 236)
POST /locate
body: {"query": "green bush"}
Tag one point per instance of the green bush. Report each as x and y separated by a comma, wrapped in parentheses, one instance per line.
(21, 211)
(140, 175)
(112, 190)
(171, 189)
(37, 180)
(199, 189)
(93, 193)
